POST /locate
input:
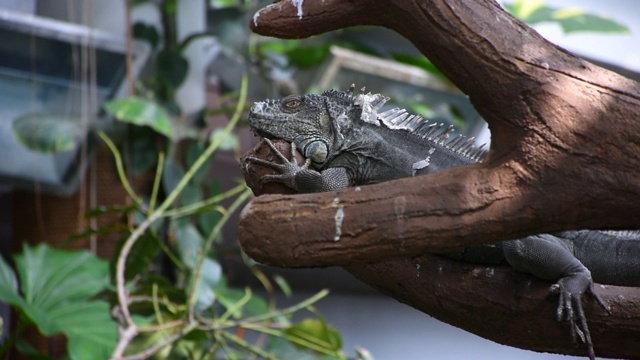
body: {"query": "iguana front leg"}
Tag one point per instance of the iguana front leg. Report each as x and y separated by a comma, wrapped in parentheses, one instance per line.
(550, 257)
(301, 177)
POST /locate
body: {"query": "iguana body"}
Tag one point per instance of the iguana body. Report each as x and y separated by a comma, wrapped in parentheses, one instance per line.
(348, 142)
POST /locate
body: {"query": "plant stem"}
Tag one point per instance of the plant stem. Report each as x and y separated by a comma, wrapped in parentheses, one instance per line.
(208, 152)
(272, 314)
(246, 345)
(120, 167)
(195, 279)
(131, 330)
(156, 183)
(200, 205)
(148, 352)
(236, 306)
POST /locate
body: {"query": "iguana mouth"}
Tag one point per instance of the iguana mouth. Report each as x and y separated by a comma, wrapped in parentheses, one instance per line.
(263, 134)
(255, 119)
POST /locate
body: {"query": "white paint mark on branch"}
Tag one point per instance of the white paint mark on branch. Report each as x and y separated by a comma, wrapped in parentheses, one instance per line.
(400, 206)
(263, 10)
(339, 217)
(298, 5)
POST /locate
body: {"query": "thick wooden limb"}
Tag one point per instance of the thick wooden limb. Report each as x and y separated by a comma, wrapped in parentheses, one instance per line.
(507, 307)
(565, 151)
(442, 212)
(361, 228)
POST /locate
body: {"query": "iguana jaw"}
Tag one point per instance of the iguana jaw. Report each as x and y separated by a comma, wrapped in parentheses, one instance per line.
(258, 118)
(263, 134)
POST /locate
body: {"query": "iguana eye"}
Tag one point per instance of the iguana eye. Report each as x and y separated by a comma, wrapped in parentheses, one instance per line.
(291, 102)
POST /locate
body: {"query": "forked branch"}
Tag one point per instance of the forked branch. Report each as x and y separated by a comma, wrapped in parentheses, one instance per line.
(565, 155)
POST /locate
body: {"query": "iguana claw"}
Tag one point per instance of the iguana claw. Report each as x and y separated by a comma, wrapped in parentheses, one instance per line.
(570, 290)
(287, 168)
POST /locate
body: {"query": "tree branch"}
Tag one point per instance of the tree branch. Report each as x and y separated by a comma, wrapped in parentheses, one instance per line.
(565, 155)
(565, 152)
(505, 306)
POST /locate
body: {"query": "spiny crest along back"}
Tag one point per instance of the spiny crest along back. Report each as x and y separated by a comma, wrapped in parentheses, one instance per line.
(399, 119)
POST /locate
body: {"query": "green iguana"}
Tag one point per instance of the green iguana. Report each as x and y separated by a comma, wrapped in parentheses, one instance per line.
(348, 141)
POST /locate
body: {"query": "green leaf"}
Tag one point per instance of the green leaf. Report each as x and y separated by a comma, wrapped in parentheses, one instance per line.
(209, 216)
(221, 4)
(142, 255)
(90, 330)
(308, 56)
(141, 112)
(100, 231)
(570, 19)
(9, 285)
(208, 220)
(191, 194)
(48, 132)
(194, 150)
(145, 32)
(145, 153)
(576, 20)
(525, 10)
(190, 243)
(228, 297)
(171, 175)
(359, 46)
(58, 286)
(418, 61)
(172, 67)
(314, 334)
(211, 275)
(230, 142)
(165, 289)
(278, 46)
(50, 277)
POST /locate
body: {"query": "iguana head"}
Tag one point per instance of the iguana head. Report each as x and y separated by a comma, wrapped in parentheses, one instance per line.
(314, 122)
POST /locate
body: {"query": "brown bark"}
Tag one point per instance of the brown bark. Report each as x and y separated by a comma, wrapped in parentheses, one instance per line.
(565, 155)
(565, 151)
(504, 306)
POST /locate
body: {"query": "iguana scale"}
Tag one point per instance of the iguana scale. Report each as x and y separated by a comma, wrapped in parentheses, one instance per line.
(348, 141)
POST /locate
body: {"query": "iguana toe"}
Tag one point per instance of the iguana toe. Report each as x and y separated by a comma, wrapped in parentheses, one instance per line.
(287, 168)
(570, 290)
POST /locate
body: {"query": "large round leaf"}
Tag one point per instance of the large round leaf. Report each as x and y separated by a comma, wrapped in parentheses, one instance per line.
(141, 112)
(48, 132)
(57, 289)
